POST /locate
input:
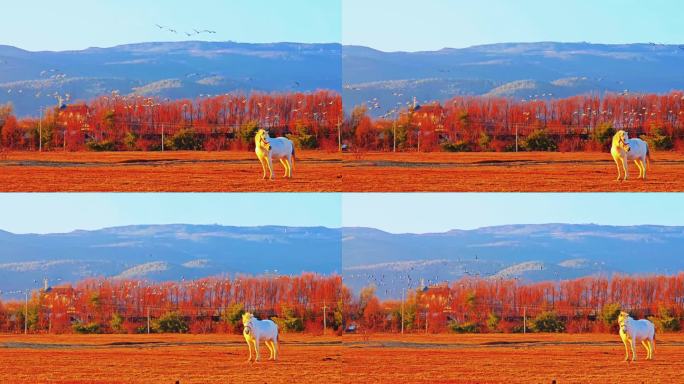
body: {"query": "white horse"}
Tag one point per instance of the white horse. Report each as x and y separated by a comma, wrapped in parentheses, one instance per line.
(632, 331)
(625, 149)
(279, 148)
(255, 331)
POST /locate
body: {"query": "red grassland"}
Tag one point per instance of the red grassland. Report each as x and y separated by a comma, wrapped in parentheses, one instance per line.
(185, 359)
(505, 172)
(177, 171)
(507, 358)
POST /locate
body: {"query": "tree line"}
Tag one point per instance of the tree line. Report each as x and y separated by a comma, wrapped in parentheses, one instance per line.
(115, 122)
(589, 304)
(308, 302)
(296, 303)
(464, 123)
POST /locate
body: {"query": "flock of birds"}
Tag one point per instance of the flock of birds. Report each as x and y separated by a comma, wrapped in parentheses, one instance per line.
(188, 34)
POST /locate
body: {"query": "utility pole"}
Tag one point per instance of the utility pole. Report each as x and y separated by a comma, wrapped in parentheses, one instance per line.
(403, 295)
(162, 126)
(26, 312)
(394, 135)
(40, 131)
(426, 321)
(325, 315)
(148, 320)
(524, 320)
(339, 135)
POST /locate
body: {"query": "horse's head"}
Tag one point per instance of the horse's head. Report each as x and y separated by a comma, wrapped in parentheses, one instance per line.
(262, 140)
(622, 318)
(247, 318)
(621, 140)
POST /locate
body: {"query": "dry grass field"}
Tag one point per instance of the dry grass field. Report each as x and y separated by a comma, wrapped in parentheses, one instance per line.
(315, 171)
(505, 172)
(378, 358)
(508, 358)
(171, 359)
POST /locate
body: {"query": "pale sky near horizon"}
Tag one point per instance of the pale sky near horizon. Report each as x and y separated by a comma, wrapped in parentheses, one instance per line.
(391, 212)
(78, 24)
(440, 212)
(65, 212)
(409, 25)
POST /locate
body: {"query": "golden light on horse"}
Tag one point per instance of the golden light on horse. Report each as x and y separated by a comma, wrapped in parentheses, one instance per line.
(625, 149)
(632, 331)
(255, 331)
(279, 148)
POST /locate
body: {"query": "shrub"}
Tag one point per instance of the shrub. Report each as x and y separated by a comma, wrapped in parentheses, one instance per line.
(539, 140)
(247, 132)
(185, 140)
(493, 322)
(603, 135)
(233, 314)
(484, 141)
(466, 327)
(303, 139)
(101, 146)
(80, 327)
(665, 322)
(457, 146)
(659, 139)
(130, 141)
(172, 322)
(547, 322)
(117, 323)
(609, 314)
(289, 322)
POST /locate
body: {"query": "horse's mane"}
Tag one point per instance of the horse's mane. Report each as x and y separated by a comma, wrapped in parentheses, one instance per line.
(616, 137)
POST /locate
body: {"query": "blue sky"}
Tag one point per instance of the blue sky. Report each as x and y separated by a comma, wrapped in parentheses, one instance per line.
(64, 212)
(430, 212)
(78, 24)
(410, 25)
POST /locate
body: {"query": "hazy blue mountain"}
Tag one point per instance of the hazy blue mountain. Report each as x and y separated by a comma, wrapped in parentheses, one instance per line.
(166, 252)
(528, 252)
(175, 70)
(518, 70)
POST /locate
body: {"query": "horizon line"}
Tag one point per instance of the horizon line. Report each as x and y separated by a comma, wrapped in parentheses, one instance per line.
(343, 227)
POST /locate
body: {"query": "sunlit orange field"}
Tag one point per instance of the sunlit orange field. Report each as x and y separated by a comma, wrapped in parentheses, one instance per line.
(165, 359)
(508, 358)
(236, 171)
(505, 172)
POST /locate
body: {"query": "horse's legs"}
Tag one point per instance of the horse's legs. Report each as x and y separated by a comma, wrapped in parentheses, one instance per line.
(249, 346)
(652, 341)
(646, 345)
(256, 349)
(626, 350)
(290, 164)
(284, 163)
(618, 169)
(270, 349)
(632, 344)
(624, 167)
(263, 166)
(270, 167)
(275, 348)
(638, 164)
(644, 166)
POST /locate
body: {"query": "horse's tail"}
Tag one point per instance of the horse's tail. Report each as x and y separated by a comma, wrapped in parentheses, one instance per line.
(648, 155)
(293, 155)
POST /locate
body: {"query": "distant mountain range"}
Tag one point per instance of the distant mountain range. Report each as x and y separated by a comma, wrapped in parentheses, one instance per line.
(165, 252)
(190, 69)
(175, 70)
(364, 256)
(531, 253)
(518, 70)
